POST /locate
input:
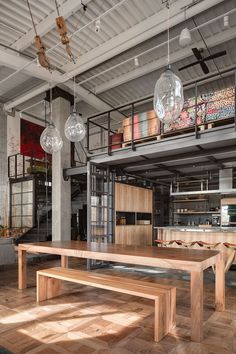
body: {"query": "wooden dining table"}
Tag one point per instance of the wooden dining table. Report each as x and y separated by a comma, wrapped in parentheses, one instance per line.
(190, 260)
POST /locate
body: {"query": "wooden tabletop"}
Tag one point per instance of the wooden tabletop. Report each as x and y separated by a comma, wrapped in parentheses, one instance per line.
(176, 258)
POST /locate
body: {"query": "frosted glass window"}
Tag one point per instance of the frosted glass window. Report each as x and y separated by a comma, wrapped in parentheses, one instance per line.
(16, 188)
(27, 186)
(16, 210)
(16, 199)
(27, 198)
(16, 221)
(27, 209)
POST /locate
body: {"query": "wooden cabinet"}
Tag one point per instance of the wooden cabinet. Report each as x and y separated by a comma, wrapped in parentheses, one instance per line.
(132, 198)
(135, 200)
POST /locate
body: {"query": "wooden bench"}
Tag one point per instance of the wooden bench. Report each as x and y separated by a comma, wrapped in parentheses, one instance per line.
(49, 284)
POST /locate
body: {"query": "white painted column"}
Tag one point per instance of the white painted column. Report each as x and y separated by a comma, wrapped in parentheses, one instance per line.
(61, 190)
(3, 169)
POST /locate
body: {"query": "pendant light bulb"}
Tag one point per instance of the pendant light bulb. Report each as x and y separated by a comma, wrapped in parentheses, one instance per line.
(74, 127)
(168, 96)
(50, 139)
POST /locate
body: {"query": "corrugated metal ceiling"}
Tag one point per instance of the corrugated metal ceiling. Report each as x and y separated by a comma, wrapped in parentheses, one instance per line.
(15, 22)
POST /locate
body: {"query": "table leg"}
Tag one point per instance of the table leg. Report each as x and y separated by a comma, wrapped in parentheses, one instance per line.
(22, 269)
(220, 283)
(64, 261)
(196, 306)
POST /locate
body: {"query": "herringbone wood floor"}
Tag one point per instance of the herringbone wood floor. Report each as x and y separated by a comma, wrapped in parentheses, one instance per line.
(86, 320)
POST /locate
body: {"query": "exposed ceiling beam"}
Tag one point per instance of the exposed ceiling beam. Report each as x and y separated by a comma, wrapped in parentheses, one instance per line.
(66, 9)
(15, 62)
(179, 55)
(146, 29)
(137, 34)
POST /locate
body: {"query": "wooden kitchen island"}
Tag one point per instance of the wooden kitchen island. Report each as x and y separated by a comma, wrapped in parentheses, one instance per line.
(192, 234)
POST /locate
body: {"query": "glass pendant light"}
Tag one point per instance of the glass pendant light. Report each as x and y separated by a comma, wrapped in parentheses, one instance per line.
(50, 139)
(74, 126)
(168, 93)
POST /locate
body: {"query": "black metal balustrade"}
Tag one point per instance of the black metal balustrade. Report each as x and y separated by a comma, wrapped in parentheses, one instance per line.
(105, 122)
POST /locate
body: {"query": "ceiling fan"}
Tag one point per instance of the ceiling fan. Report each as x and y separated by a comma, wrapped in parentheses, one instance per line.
(201, 60)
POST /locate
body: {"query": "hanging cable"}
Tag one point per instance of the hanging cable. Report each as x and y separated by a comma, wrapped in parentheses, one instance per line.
(57, 7)
(46, 172)
(74, 93)
(168, 33)
(31, 17)
(50, 97)
(200, 33)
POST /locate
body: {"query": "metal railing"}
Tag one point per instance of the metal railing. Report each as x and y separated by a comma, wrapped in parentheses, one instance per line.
(106, 124)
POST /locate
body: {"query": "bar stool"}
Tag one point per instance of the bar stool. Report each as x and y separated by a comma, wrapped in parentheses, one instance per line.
(163, 243)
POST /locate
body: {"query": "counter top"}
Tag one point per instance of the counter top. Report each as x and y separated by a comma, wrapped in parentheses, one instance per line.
(197, 228)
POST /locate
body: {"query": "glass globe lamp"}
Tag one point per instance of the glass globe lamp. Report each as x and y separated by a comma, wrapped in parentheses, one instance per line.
(50, 139)
(74, 127)
(168, 96)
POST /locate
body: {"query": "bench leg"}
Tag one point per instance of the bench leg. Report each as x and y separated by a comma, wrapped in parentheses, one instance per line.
(161, 312)
(47, 288)
(165, 313)
(172, 323)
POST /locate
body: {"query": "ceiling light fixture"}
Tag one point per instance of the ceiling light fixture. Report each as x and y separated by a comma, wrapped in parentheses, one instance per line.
(168, 93)
(185, 35)
(136, 61)
(98, 25)
(226, 21)
(74, 126)
(50, 139)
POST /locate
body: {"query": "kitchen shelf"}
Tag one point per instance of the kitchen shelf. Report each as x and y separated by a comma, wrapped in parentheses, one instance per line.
(197, 212)
(189, 200)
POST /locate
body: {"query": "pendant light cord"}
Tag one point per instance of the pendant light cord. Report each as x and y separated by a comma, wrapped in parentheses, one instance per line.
(31, 15)
(57, 7)
(74, 94)
(46, 171)
(50, 94)
(168, 33)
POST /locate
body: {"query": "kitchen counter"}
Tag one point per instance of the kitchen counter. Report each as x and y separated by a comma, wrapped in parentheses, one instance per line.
(197, 228)
(195, 233)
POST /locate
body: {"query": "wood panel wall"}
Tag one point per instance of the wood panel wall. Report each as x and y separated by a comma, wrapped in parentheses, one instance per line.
(138, 200)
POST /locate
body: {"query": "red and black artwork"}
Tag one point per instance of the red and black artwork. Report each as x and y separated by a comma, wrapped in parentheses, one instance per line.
(30, 139)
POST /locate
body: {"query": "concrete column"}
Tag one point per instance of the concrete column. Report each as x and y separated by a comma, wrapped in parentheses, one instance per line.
(61, 190)
(3, 169)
